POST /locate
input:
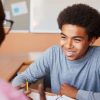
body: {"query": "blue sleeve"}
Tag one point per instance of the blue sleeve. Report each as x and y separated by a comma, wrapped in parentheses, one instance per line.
(36, 70)
(87, 95)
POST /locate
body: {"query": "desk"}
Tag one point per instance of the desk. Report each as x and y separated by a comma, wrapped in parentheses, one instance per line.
(10, 64)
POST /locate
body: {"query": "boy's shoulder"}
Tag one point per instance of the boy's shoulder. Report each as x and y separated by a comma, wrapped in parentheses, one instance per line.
(96, 48)
(54, 47)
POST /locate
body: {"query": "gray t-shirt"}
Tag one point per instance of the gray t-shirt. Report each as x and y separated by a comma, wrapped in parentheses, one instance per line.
(84, 73)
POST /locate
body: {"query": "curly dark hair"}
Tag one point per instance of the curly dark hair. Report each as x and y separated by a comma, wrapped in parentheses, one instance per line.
(81, 15)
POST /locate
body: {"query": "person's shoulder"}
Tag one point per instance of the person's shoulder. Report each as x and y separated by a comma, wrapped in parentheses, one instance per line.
(95, 51)
(54, 48)
(96, 55)
(96, 48)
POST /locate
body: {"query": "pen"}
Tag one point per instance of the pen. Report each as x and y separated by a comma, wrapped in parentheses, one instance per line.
(27, 88)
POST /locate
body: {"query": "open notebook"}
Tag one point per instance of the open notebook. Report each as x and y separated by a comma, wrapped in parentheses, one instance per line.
(36, 96)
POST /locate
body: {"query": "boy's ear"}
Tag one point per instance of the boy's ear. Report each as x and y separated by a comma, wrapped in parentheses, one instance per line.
(92, 40)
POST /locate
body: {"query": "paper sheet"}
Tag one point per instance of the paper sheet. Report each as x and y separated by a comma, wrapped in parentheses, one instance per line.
(19, 8)
(36, 96)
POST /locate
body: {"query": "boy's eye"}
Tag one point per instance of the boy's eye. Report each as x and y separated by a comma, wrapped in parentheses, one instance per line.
(63, 37)
(77, 40)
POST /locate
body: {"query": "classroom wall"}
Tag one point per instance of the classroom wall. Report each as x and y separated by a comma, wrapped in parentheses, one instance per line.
(21, 22)
(28, 42)
(24, 43)
(38, 13)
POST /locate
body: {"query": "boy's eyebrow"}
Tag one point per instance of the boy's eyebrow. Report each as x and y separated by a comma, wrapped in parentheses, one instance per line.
(63, 34)
(73, 36)
(79, 37)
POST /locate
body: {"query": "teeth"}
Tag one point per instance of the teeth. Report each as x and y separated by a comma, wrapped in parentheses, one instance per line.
(69, 53)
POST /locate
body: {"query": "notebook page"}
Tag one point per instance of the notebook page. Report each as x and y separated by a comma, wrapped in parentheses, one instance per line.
(36, 96)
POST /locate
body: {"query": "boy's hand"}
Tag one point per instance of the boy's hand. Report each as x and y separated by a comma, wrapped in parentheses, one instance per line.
(41, 92)
(23, 86)
(68, 90)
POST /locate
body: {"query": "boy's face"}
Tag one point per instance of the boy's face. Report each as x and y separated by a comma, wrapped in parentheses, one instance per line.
(74, 41)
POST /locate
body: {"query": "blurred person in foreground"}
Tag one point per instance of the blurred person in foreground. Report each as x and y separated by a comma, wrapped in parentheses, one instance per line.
(7, 91)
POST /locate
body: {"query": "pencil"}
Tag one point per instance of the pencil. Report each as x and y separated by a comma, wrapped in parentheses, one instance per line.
(27, 86)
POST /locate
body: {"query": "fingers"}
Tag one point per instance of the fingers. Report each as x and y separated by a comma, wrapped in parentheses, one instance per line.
(23, 85)
(29, 98)
(41, 92)
(41, 88)
(27, 92)
(68, 90)
(59, 93)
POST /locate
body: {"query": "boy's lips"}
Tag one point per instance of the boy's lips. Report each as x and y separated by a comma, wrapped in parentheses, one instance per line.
(69, 53)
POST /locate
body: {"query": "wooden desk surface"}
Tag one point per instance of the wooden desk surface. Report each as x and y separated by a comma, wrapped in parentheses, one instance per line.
(10, 64)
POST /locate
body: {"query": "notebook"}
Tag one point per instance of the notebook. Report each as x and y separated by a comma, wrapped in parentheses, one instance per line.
(36, 96)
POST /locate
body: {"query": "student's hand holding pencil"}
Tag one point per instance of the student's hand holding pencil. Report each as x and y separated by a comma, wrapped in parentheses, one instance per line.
(27, 91)
(25, 88)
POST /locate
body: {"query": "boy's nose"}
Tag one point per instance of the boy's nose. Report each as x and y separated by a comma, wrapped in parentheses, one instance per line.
(69, 44)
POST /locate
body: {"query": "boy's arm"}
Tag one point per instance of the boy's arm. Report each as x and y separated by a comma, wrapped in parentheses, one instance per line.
(73, 92)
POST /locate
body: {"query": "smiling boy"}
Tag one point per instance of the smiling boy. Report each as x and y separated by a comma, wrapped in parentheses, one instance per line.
(74, 66)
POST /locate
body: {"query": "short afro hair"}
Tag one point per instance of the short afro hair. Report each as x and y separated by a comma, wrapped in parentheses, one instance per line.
(81, 15)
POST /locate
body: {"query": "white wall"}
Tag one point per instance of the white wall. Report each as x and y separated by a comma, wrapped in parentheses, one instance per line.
(43, 13)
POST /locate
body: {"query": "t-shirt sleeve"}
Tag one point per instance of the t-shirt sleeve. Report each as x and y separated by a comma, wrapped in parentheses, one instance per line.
(36, 70)
(87, 95)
